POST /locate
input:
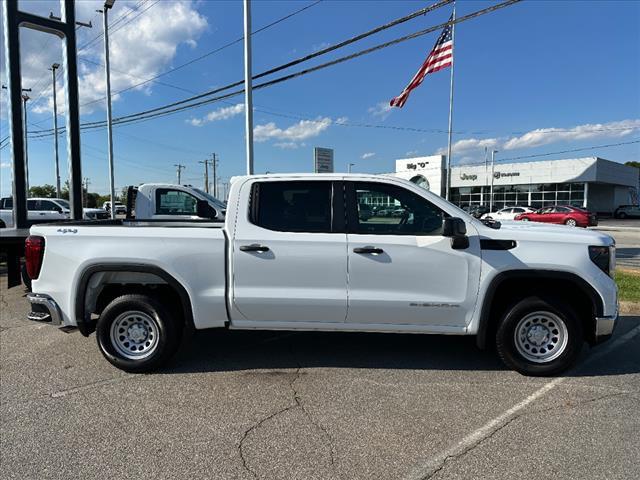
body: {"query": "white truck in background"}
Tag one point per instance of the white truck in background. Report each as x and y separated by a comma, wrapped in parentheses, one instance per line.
(165, 201)
(302, 252)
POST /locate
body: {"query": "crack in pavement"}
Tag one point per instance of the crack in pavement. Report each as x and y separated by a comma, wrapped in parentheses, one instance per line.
(298, 403)
(470, 448)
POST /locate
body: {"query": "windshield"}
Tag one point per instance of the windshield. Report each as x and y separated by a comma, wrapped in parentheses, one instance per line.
(64, 203)
(213, 200)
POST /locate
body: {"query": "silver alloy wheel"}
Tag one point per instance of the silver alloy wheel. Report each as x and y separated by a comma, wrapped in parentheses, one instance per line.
(525, 219)
(134, 335)
(571, 222)
(541, 337)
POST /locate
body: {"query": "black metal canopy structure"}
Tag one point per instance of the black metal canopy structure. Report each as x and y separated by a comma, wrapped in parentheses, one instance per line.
(12, 239)
(65, 28)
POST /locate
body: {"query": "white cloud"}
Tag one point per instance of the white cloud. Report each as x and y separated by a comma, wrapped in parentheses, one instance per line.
(381, 110)
(297, 132)
(546, 136)
(411, 153)
(367, 155)
(5, 165)
(222, 113)
(141, 46)
(289, 145)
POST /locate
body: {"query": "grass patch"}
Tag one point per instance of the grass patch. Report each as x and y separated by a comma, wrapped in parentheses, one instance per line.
(629, 285)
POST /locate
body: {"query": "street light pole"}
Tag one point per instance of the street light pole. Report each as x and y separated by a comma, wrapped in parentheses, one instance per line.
(351, 165)
(248, 94)
(493, 164)
(53, 69)
(107, 5)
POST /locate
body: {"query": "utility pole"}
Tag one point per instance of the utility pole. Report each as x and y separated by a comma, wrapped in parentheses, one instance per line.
(179, 168)
(214, 164)
(493, 164)
(248, 94)
(107, 73)
(351, 165)
(53, 69)
(25, 98)
(206, 174)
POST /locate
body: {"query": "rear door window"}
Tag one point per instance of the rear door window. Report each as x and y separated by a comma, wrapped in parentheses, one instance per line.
(297, 206)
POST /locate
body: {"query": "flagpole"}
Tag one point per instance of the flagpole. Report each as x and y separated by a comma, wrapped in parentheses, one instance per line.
(453, 43)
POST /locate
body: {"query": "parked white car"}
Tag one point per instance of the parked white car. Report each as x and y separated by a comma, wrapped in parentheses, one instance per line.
(45, 209)
(508, 213)
(293, 254)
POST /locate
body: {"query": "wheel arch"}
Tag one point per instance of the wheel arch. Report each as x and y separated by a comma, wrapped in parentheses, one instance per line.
(83, 317)
(490, 309)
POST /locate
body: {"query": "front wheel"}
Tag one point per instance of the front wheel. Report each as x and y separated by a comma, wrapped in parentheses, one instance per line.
(622, 215)
(136, 333)
(539, 337)
(570, 222)
(525, 219)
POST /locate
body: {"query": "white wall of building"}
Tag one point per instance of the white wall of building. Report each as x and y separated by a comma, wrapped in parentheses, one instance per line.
(432, 168)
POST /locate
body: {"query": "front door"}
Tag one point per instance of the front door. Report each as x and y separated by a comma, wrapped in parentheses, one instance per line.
(289, 253)
(402, 270)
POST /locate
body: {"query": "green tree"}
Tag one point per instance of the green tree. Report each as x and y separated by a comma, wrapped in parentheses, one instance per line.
(633, 164)
(43, 191)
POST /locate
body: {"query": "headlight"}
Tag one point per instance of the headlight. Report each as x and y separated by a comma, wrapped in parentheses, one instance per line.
(604, 258)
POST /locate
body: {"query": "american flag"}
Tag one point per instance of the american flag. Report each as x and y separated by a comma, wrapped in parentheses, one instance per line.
(440, 57)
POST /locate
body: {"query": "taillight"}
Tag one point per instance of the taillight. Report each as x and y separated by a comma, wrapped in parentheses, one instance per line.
(34, 252)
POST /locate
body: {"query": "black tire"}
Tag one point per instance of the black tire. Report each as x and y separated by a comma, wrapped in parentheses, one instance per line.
(507, 346)
(166, 328)
(622, 215)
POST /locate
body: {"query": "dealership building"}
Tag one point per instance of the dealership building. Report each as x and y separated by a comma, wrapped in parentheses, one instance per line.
(594, 183)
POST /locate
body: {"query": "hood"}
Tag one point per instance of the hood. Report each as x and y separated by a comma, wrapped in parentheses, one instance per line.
(538, 231)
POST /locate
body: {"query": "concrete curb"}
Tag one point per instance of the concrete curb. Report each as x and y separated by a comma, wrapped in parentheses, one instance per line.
(616, 229)
(632, 308)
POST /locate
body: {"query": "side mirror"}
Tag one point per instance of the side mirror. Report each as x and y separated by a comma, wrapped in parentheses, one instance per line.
(204, 210)
(58, 209)
(455, 228)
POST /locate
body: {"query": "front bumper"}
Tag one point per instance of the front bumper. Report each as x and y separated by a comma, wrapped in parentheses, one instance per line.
(44, 309)
(604, 327)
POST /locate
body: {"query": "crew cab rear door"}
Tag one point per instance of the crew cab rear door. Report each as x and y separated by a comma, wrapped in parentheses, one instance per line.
(402, 270)
(289, 258)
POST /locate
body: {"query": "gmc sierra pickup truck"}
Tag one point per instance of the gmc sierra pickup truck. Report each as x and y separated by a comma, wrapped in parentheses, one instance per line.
(309, 252)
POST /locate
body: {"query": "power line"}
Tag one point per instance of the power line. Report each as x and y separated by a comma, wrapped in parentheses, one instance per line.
(180, 105)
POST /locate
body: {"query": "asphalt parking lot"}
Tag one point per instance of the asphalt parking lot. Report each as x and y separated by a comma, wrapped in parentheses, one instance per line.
(627, 236)
(247, 405)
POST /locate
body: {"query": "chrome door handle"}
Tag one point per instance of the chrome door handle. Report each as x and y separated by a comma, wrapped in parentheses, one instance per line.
(254, 247)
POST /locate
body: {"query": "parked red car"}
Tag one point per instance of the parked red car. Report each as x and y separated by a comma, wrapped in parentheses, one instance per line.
(561, 214)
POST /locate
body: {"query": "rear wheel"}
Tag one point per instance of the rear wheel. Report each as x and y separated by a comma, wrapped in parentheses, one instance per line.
(539, 337)
(570, 222)
(525, 219)
(136, 333)
(622, 215)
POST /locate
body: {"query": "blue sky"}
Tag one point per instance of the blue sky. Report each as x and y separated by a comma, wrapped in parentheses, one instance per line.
(570, 66)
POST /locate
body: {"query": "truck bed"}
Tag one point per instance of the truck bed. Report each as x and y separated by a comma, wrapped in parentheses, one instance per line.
(191, 252)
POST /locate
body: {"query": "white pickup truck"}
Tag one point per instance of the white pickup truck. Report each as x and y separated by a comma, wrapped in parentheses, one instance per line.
(295, 253)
